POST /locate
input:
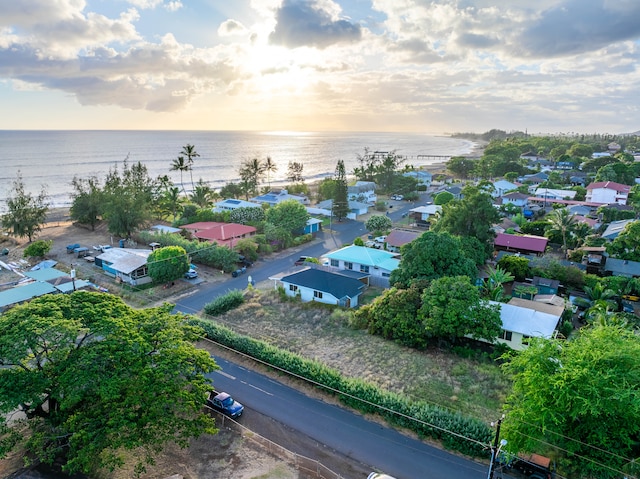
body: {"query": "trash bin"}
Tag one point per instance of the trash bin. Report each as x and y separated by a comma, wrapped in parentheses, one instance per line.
(121, 242)
(5, 251)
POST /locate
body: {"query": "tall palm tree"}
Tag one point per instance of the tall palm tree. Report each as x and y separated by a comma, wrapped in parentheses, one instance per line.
(251, 174)
(190, 152)
(269, 167)
(170, 202)
(563, 222)
(202, 195)
(179, 164)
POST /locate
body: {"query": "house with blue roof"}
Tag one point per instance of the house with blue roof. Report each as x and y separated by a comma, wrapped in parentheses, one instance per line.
(378, 264)
(276, 197)
(231, 204)
(324, 287)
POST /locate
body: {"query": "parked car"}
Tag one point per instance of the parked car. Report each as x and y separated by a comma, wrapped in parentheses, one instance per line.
(397, 197)
(380, 239)
(191, 274)
(239, 271)
(300, 261)
(223, 402)
(242, 260)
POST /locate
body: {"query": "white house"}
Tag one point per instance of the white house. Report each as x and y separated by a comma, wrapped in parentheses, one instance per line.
(326, 208)
(276, 197)
(231, 204)
(126, 265)
(375, 262)
(323, 286)
(554, 194)
(608, 192)
(363, 192)
(516, 199)
(523, 319)
(423, 213)
(501, 187)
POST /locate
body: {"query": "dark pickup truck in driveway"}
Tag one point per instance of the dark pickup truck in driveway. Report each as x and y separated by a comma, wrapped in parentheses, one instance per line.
(223, 402)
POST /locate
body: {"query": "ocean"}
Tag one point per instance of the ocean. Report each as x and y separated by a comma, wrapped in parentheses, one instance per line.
(50, 159)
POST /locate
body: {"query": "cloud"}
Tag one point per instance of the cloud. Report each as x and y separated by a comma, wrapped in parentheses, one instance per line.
(310, 23)
(231, 27)
(171, 5)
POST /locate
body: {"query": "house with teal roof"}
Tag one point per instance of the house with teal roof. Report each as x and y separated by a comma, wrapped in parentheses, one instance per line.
(378, 264)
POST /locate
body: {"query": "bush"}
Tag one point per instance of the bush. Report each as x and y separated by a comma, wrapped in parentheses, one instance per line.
(224, 303)
(38, 249)
(464, 434)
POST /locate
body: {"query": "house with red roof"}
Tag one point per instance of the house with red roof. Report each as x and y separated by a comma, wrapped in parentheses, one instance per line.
(525, 244)
(224, 234)
(608, 192)
(399, 237)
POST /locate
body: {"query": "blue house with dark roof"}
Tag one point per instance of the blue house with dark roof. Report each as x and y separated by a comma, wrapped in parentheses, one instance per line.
(324, 287)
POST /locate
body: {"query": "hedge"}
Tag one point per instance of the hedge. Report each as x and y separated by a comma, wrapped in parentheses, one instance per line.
(472, 436)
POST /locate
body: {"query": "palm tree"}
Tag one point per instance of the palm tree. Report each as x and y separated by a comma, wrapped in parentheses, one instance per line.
(496, 277)
(179, 164)
(269, 167)
(561, 221)
(202, 194)
(190, 152)
(251, 173)
(170, 202)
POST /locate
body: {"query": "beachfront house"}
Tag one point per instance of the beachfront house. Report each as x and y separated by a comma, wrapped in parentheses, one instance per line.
(231, 204)
(276, 197)
(608, 192)
(323, 287)
(224, 234)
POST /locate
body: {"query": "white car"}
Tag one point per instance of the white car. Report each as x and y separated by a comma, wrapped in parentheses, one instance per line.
(380, 239)
(397, 197)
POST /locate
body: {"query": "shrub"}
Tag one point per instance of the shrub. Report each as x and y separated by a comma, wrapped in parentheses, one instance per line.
(37, 249)
(224, 303)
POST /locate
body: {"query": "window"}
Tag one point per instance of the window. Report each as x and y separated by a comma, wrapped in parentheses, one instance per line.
(506, 335)
(364, 268)
(293, 287)
(386, 275)
(348, 265)
(335, 263)
(525, 339)
(317, 294)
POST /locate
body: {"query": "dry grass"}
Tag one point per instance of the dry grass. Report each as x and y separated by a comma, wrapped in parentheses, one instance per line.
(320, 333)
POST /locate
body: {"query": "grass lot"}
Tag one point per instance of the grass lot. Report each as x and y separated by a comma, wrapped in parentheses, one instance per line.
(472, 387)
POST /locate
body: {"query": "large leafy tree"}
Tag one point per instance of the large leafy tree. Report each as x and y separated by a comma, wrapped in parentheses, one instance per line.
(473, 215)
(128, 198)
(378, 223)
(625, 245)
(168, 263)
(387, 168)
(340, 195)
(433, 255)
(96, 378)
(452, 309)
(461, 166)
(290, 215)
(581, 396)
(26, 213)
(87, 201)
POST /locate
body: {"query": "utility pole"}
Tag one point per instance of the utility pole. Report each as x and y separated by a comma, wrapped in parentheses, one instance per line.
(73, 276)
(495, 449)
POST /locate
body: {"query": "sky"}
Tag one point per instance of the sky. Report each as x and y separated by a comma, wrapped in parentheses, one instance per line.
(432, 66)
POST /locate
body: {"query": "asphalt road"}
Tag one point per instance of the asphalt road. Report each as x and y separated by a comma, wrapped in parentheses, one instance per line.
(365, 442)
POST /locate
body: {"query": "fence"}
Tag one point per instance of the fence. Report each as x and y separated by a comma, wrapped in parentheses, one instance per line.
(307, 466)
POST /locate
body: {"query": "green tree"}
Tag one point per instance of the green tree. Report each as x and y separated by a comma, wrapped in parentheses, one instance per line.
(561, 222)
(430, 256)
(581, 396)
(231, 190)
(181, 165)
(581, 150)
(443, 198)
(452, 308)
(387, 168)
(251, 173)
(97, 378)
(625, 245)
(25, 213)
(394, 316)
(38, 249)
(340, 207)
(461, 166)
(517, 266)
(269, 166)
(294, 172)
(170, 202)
(203, 195)
(380, 223)
(189, 151)
(473, 215)
(290, 215)
(247, 215)
(168, 263)
(493, 284)
(86, 201)
(128, 198)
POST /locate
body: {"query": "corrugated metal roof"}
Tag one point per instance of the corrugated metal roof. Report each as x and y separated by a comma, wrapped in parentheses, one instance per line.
(46, 274)
(363, 255)
(23, 293)
(527, 321)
